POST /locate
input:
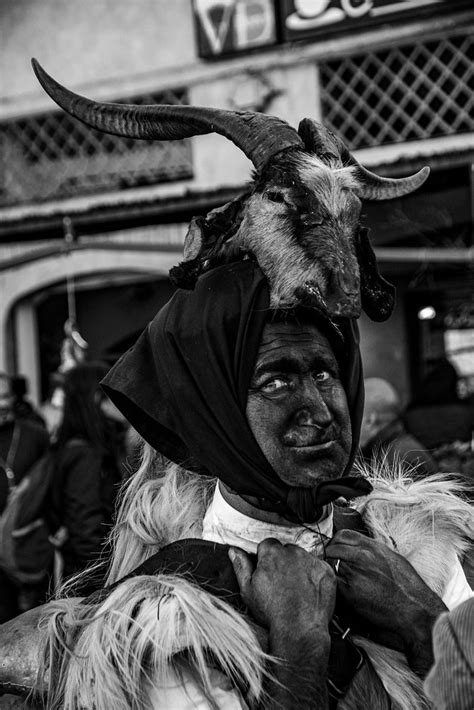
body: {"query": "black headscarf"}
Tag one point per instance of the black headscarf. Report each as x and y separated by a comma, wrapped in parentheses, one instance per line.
(183, 386)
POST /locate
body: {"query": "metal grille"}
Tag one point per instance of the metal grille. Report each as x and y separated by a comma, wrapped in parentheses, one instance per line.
(400, 94)
(53, 155)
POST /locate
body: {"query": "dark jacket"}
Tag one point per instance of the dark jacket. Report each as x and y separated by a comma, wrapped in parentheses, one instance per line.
(395, 442)
(33, 441)
(82, 501)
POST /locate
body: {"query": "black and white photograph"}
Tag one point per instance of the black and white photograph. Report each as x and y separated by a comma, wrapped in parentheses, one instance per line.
(236, 355)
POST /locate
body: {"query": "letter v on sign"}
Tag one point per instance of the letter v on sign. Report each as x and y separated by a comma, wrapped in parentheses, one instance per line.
(216, 31)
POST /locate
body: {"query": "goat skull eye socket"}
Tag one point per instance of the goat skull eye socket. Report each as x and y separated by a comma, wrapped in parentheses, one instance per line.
(311, 221)
(274, 196)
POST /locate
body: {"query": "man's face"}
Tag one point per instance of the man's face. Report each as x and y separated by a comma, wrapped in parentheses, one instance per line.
(6, 401)
(297, 408)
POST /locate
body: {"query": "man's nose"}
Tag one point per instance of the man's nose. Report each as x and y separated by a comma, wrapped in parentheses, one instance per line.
(312, 410)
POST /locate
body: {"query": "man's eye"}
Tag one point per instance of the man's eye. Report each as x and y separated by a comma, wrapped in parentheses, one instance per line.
(321, 376)
(275, 385)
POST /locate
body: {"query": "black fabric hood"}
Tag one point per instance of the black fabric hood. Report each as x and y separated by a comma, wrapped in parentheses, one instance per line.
(183, 386)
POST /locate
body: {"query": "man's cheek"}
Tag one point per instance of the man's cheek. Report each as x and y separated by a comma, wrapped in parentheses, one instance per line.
(346, 438)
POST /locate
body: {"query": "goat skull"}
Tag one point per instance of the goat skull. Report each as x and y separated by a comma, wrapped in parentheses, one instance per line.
(301, 218)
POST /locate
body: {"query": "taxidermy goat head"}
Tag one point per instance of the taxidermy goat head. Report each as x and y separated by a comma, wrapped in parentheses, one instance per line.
(300, 218)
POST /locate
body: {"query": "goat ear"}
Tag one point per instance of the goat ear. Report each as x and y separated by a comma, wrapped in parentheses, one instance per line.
(377, 295)
(223, 222)
(186, 273)
(194, 239)
(205, 244)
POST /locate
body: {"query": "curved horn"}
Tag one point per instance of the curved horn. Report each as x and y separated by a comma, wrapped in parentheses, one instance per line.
(374, 187)
(331, 149)
(259, 136)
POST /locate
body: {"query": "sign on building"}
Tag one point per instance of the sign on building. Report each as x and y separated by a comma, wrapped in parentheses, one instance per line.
(230, 26)
(302, 19)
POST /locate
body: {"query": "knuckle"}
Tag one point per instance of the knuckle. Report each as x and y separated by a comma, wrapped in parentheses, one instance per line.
(297, 551)
(269, 546)
(346, 536)
(326, 569)
(269, 542)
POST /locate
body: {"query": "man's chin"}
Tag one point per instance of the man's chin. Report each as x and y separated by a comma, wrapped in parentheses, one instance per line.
(307, 466)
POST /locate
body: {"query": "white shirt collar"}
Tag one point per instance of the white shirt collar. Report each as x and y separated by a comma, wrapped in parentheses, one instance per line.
(222, 523)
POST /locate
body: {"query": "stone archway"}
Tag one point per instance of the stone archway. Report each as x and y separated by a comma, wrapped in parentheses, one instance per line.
(25, 279)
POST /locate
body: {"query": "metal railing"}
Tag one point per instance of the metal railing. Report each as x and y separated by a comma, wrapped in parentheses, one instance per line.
(416, 91)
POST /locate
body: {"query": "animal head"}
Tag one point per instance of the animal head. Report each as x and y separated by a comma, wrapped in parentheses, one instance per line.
(300, 218)
(301, 222)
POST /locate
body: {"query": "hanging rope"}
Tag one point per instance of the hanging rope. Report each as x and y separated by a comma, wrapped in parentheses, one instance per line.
(70, 284)
(74, 347)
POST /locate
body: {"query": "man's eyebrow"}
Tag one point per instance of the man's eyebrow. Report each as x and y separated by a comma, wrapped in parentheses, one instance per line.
(278, 364)
(289, 364)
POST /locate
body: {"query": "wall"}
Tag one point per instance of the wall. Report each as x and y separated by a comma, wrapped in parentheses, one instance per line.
(217, 161)
(83, 42)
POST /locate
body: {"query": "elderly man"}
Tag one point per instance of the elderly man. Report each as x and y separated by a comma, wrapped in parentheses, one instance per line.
(269, 404)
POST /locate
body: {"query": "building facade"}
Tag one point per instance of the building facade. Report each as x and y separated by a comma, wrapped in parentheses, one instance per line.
(93, 223)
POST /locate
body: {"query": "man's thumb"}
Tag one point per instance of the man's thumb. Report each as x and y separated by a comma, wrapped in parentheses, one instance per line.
(243, 567)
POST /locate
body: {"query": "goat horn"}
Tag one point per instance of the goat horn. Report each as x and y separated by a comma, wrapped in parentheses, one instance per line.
(318, 140)
(259, 136)
(374, 187)
(331, 150)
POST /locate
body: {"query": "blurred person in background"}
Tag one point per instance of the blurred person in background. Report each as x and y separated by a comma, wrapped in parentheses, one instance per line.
(52, 410)
(22, 443)
(88, 466)
(383, 430)
(22, 406)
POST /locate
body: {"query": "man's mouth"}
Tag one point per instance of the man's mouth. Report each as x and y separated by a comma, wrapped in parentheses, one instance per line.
(308, 436)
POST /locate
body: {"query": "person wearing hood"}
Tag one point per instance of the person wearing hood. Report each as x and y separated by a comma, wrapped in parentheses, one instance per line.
(231, 540)
(256, 416)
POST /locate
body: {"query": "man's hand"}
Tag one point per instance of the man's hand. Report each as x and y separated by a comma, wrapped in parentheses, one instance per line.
(383, 590)
(292, 593)
(288, 588)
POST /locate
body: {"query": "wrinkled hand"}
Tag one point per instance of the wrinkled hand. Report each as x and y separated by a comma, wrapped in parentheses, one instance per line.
(383, 589)
(292, 593)
(288, 588)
